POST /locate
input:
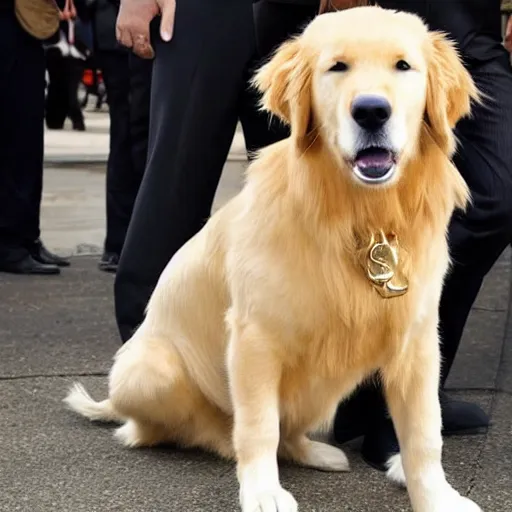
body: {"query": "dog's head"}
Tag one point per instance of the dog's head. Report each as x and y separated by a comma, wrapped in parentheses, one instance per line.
(367, 83)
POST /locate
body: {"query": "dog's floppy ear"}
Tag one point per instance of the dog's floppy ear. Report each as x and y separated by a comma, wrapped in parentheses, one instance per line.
(450, 91)
(285, 82)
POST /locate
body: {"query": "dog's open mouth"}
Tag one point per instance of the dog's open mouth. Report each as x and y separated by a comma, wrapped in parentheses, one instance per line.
(374, 165)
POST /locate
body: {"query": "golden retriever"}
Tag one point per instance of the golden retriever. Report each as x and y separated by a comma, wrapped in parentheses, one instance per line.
(327, 267)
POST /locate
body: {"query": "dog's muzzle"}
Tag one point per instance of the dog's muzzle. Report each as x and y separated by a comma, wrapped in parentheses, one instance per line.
(374, 163)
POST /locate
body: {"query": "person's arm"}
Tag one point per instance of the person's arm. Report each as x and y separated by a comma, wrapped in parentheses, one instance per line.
(339, 5)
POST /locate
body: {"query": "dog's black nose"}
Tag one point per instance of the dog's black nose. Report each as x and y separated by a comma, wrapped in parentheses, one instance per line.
(371, 112)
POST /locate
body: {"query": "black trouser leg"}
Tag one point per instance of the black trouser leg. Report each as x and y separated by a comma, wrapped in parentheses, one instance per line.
(260, 130)
(274, 23)
(116, 74)
(478, 237)
(57, 96)
(140, 96)
(196, 87)
(22, 69)
(75, 73)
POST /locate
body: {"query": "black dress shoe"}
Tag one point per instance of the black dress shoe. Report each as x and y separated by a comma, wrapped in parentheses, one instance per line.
(459, 418)
(379, 445)
(109, 262)
(462, 418)
(380, 441)
(355, 419)
(79, 125)
(41, 254)
(29, 265)
(54, 126)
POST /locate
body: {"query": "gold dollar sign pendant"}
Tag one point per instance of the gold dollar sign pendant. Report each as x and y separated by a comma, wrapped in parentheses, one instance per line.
(382, 266)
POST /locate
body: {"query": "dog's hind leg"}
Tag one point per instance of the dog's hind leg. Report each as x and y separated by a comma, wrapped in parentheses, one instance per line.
(138, 434)
(149, 385)
(313, 454)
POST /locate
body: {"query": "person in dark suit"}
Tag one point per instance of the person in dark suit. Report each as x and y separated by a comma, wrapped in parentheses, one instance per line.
(66, 53)
(128, 84)
(65, 64)
(22, 84)
(199, 91)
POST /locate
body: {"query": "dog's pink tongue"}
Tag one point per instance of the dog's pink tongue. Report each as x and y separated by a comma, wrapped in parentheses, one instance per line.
(374, 158)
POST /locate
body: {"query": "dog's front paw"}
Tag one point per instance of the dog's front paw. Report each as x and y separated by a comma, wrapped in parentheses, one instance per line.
(395, 472)
(460, 504)
(454, 502)
(466, 505)
(275, 500)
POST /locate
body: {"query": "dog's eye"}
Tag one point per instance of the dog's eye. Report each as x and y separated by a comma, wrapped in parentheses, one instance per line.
(403, 65)
(339, 67)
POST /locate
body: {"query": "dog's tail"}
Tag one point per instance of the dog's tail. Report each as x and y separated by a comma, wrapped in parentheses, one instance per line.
(81, 402)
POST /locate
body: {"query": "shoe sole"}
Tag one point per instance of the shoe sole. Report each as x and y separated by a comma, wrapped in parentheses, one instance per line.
(375, 465)
(32, 273)
(348, 437)
(60, 263)
(112, 269)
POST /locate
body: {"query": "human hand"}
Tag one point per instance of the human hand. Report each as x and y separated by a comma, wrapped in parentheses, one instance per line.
(339, 5)
(508, 35)
(132, 28)
(69, 11)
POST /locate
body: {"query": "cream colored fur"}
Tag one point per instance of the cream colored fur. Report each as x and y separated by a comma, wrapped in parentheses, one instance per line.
(265, 320)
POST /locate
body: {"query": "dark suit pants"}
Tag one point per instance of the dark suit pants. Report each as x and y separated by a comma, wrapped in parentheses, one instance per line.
(22, 83)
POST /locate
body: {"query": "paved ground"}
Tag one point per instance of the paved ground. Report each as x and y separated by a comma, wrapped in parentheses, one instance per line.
(73, 207)
(55, 330)
(67, 146)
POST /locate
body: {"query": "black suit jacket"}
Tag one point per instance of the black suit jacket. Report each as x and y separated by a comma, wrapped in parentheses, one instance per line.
(474, 24)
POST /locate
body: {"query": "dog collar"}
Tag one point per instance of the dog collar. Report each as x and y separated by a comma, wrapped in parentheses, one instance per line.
(382, 265)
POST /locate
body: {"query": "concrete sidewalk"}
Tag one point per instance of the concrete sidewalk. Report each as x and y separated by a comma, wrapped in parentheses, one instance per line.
(73, 207)
(92, 146)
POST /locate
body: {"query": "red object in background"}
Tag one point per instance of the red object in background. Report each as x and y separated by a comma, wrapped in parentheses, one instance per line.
(92, 84)
(92, 77)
